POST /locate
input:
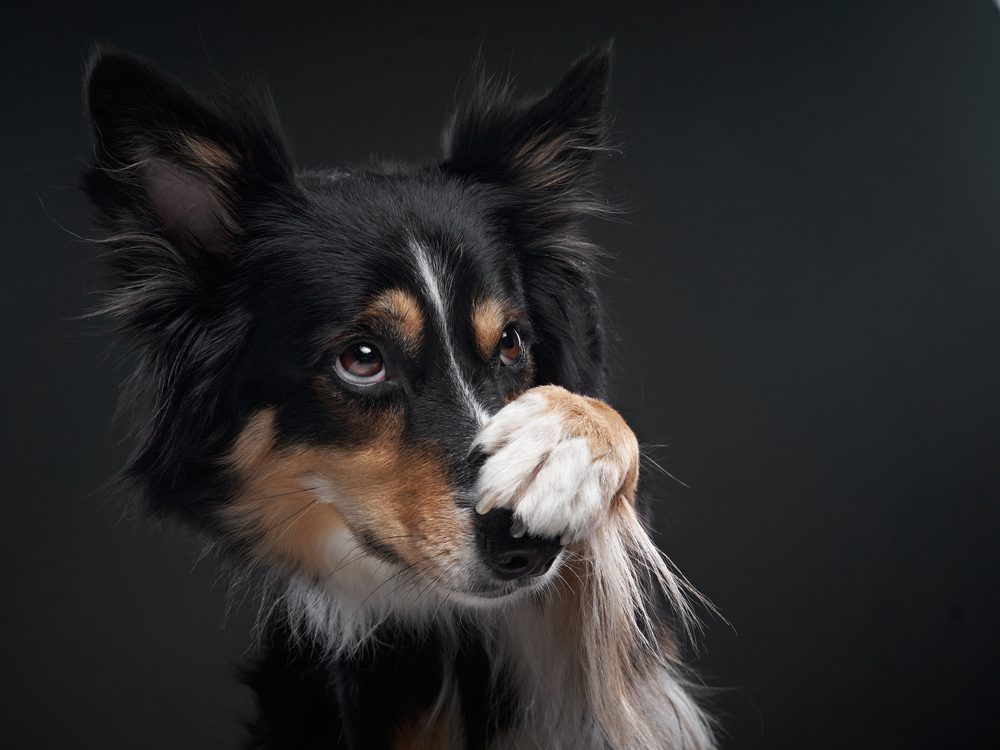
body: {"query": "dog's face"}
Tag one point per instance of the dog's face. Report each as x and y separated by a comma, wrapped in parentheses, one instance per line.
(372, 367)
(317, 351)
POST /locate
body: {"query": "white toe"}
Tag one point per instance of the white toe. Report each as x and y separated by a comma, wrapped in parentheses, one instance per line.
(546, 507)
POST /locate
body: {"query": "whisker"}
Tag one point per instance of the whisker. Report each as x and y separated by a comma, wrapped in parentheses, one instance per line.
(378, 588)
(660, 467)
(261, 498)
(360, 547)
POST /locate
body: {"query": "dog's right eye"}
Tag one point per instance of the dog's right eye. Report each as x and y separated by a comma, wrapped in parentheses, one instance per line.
(510, 346)
(360, 363)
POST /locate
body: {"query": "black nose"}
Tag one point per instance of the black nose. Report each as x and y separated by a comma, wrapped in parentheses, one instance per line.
(511, 558)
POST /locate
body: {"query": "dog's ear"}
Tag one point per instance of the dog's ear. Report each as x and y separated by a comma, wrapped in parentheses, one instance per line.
(541, 154)
(176, 182)
(546, 145)
(167, 163)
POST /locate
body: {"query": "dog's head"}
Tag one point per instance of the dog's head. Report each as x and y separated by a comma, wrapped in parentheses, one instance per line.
(316, 350)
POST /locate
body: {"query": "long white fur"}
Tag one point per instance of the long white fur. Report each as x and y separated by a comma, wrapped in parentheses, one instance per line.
(556, 488)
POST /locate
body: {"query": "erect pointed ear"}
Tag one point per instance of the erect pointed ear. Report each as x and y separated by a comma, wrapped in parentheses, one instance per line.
(544, 144)
(167, 163)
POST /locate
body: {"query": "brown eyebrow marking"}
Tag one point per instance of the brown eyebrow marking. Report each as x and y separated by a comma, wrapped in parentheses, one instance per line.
(489, 316)
(400, 312)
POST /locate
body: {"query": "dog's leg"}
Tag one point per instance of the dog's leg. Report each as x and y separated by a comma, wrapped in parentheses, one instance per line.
(567, 466)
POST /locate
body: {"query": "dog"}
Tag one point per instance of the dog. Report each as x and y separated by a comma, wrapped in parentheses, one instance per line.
(379, 393)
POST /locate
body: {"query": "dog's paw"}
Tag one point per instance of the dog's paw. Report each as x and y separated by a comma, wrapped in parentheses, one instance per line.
(559, 461)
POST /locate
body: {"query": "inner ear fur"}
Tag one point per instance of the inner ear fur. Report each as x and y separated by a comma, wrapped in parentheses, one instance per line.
(546, 143)
(169, 162)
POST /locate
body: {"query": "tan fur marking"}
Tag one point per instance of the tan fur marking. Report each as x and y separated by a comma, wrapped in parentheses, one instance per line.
(209, 155)
(401, 311)
(277, 507)
(428, 733)
(608, 435)
(489, 316)
(397, 495)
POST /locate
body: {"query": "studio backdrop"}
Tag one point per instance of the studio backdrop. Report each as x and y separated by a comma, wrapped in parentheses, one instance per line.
(804, 282)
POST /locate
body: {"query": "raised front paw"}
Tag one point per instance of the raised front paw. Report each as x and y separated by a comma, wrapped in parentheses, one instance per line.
(559, 461)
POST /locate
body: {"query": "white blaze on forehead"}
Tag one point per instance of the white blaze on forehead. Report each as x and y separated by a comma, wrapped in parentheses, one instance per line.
(434, 282)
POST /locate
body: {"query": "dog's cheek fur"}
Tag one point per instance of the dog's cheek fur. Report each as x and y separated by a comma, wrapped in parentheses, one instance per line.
(292, 501)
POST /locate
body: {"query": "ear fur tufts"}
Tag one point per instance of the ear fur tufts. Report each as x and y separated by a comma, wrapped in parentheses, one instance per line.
(546, 143)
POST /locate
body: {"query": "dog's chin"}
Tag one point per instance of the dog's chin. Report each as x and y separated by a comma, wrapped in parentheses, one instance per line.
(491, 593)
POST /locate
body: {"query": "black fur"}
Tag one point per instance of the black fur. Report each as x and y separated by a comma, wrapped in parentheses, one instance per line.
(355, 702)
(231, 272)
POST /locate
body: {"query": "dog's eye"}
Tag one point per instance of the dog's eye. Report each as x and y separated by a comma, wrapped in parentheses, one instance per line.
(361, 364)
(510, 345)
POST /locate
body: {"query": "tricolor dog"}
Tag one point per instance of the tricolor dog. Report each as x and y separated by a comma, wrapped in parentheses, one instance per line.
(378, 391)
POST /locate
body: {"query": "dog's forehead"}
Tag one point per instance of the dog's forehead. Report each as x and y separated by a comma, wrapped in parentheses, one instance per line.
(362, 236)
(324, 267)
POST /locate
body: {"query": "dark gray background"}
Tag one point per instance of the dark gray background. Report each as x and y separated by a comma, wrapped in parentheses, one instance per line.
(806, 292)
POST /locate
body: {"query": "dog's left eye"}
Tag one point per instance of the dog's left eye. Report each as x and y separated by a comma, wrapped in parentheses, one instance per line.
(360, 364)
(510, 345)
